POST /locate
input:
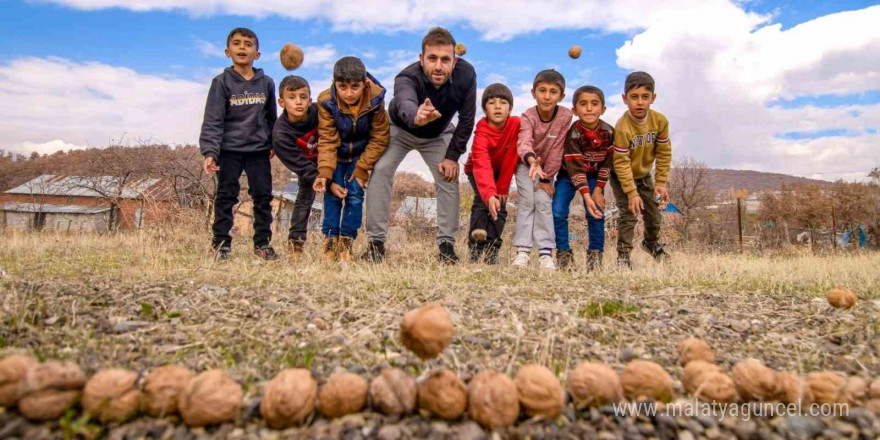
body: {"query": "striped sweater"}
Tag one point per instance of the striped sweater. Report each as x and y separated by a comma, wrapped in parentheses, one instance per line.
(589, 152)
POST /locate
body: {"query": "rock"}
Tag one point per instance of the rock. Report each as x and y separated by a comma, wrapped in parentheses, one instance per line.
(685, 435)
(745, 429)
(127, 326)
(803, 427)
(739, 326)
(469, 431)
(213, 290)
(390, 432)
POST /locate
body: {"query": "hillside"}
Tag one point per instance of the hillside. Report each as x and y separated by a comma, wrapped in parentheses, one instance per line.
(723, 180)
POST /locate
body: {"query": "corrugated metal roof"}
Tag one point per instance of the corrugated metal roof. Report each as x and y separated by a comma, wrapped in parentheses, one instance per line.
(53, 209)
(291, 197)
(97, 186)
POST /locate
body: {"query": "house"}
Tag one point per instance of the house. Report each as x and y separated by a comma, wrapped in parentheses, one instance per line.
(282, 210)
(96, 203)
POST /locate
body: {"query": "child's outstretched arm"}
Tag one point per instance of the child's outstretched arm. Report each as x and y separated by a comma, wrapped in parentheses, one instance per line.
(663, 157)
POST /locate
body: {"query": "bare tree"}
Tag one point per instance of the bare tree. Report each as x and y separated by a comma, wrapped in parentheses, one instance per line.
(689, 188)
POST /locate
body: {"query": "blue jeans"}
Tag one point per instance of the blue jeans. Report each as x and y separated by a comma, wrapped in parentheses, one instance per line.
(565, 191)
(339, 220)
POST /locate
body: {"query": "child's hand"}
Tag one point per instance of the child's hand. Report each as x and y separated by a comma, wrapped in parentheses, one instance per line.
(211, 166)
(660, 190)
(636, 205)
(535, 170)
(547, 187)
(592, 209)
(360, 182)
(494, 206)
(503, 199)
(599, 198)
(271, 154)
(338, 191)
(320, 184)
(426, 113)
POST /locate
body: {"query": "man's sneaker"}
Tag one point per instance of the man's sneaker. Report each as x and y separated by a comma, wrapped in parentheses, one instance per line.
(447, 253)
(594, 260)
(521, 259)
(564, 259)
(266, 252)
(331, 250)
(546, 262)
(295, 248)
(479, 234)
(656, 250)
(623, 261)
(375, 252)
(344, 246)
(222, 253)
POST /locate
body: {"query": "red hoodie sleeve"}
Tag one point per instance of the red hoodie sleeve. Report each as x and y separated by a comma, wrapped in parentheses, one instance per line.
(483, 173)
(511, 159)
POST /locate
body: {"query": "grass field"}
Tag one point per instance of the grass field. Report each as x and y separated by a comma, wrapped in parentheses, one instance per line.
(139, 300)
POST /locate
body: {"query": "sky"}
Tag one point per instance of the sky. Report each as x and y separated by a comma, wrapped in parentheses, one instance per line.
(780, 86)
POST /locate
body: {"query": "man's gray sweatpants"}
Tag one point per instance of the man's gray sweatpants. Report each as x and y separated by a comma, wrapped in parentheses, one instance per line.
(534, 214)
(433, 152)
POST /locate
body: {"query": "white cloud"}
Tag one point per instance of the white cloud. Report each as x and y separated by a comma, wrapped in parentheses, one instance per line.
(49, 147)
(319, 56)
(497, 20)
(719, 74)
(209, 49)
(94, 105)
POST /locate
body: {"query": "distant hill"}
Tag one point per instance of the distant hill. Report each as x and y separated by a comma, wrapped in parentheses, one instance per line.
(723, 180)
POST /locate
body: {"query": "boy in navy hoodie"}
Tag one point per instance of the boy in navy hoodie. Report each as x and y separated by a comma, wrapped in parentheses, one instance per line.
(237, 136)
(295, 142)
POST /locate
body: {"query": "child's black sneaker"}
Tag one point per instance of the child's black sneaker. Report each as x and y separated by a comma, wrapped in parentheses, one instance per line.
(491, 254)
(266, 252)
(222, 253)
(656, 250)
(564, 259)
(623, 261)
(447, 253)
(375, 252)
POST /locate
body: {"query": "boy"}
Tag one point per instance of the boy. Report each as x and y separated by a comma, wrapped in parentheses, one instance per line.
(589, 152)
(353, 130)
(641, 137)
(295, 142)
(237, 136)
(489, 169)
(540, 146)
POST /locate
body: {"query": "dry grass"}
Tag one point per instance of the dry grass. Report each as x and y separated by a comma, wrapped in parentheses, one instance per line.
(68, 296)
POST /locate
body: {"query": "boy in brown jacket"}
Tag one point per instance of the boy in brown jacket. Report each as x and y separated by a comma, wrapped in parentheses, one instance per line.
(353, 132)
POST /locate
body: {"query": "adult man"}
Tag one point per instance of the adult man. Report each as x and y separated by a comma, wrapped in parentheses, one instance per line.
(427, 94)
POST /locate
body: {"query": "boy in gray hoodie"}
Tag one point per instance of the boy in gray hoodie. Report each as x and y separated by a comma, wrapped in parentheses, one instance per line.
(237, 137)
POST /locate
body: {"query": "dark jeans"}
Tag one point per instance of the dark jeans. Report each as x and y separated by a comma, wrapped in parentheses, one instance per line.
(339, 219)
(259, 173)
(626, 224)
(480, 218)
(565, 191)
(302, 209)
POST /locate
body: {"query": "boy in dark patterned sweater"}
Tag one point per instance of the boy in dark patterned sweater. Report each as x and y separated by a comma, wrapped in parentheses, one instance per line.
(295, 142)
(588, 159)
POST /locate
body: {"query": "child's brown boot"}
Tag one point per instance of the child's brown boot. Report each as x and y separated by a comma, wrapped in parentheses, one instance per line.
(295, 249)
(330, 250)
(564, 259)
(345, 244)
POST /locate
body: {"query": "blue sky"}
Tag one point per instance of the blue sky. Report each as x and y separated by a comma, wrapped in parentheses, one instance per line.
(790, 86)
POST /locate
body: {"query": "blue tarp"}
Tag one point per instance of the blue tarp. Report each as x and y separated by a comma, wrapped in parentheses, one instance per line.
(672, 208)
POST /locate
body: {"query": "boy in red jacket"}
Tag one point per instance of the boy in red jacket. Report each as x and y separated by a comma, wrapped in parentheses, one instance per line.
(489, 169)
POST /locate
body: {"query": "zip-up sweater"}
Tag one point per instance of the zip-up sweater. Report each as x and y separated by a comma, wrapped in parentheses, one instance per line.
(493, 157)
(239, 114)
(296, 144)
